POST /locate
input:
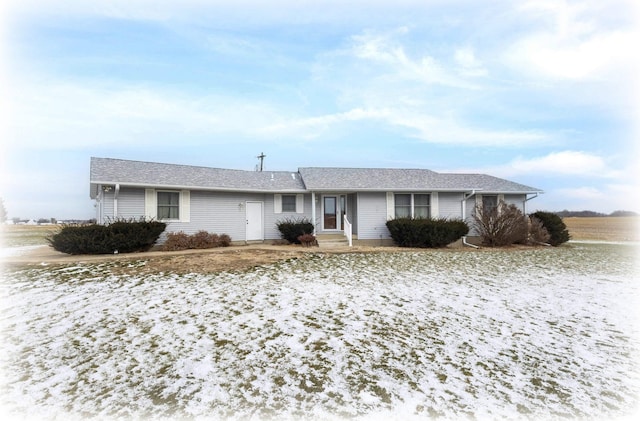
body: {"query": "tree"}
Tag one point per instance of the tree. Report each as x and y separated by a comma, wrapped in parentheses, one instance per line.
(3, 212)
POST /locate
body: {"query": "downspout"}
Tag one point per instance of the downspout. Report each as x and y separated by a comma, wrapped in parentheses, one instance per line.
(464, 212)
(524, 203)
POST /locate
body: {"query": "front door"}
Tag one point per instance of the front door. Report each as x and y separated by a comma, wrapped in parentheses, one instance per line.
(330, 212)
(333, 210)
(254, 221)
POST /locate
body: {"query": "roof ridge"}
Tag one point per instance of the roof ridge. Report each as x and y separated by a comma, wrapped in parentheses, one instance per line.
(190, 166)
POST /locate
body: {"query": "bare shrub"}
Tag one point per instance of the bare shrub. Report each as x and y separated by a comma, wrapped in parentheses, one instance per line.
(537, 232)
(204, 240)
(501, 226)
(176, 241)
(200, 240)
(307, 240)
(224, 240)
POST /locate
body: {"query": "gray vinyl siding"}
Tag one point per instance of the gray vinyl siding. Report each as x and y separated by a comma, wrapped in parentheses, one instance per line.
(130, 203)
(107, 206)
(352, 212)
(271, 218)
(218, 212)
(372, 216)
(450, 205)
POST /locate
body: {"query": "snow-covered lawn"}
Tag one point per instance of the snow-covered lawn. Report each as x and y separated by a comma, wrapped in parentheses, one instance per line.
(533, 334)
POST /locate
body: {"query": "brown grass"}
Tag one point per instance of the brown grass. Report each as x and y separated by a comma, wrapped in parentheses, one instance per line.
(604, 228)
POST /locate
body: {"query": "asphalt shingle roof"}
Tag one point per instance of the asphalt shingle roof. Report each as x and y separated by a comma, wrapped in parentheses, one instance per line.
(138, 173)
(395, 179)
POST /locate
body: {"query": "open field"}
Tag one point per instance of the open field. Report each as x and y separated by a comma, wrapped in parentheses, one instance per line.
(604, 228)
(25, 235)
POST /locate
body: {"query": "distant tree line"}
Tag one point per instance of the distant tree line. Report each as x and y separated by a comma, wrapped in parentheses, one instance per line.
(586, 213)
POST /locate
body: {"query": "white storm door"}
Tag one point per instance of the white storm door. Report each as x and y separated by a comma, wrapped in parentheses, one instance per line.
(254, 221)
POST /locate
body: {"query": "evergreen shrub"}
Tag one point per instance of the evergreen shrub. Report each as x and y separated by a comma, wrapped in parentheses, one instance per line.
(554, 225)
(426, 232)
(292, 228)
(119, 236)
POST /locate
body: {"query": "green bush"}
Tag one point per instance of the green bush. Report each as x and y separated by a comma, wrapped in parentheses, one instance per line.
(200, 240)
(292, 228)
(557, 230)
(426, 232)
(119, 236)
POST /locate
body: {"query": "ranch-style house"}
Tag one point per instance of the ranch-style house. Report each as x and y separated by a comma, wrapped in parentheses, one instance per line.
(353, 203)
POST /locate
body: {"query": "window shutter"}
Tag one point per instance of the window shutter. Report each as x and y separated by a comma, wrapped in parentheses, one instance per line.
(435, 211)
(150, 204)
(299, 203)
(500, 198)
(277, 203)
(185, 206)
(391, 213)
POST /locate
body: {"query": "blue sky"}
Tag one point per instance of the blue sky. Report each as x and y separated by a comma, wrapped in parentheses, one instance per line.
(544, 93)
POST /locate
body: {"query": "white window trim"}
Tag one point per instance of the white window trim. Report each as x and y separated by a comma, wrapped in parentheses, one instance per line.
(391, 204)
(151, 204)
(277, 203)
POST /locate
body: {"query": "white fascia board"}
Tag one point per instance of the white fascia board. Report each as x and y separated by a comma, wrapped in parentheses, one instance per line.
(181, 187)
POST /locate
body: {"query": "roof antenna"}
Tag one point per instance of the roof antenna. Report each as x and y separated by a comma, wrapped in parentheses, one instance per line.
(261, 157)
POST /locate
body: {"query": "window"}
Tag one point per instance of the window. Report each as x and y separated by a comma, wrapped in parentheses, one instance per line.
(489, 203)
(168, 205)
(288, 203)
(403, 205)
(412, 205)
(421, 205)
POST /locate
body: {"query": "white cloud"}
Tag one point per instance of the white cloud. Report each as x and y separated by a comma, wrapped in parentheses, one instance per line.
(448, 130)
(588, 193)
(577, 41)
(383, 49)
(468, 63)
(573, 163)
(602, 198)
(56, 114)
(312, 127)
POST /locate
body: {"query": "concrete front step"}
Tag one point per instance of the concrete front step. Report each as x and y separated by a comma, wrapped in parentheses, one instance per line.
(331, 244)
(332, 240)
